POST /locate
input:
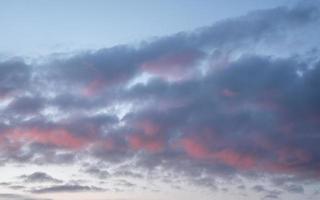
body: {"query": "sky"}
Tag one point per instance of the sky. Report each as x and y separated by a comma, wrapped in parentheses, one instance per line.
(40, 27)
(153, 100)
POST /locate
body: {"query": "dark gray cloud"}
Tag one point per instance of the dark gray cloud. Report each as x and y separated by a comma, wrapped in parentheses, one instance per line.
(295, 189)
(258, 188)
(26, 105)
(95, 171)
(17, 187)
(14, 76)
(268, 194)
(125, 183)
(8, 196)
(241, 187)
(271, 196)
(39, 177)
(66, 188)
(5, 184)
(127, 173)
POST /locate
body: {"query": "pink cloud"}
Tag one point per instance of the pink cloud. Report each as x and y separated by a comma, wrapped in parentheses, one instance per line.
(57, 137)
(149, 127)
(93, 87)
(235, 159)
(197, 148)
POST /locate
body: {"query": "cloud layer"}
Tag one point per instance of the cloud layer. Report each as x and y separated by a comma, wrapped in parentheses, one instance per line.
(221, 101)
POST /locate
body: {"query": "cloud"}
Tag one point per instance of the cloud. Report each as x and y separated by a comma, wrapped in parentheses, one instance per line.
(59, 137)
(174, 66)
(95, 171)
(128, 174)
(15, 76)
(295, 189)
(268, 194)
(271, 196)
(258, 188)
(39, 177)
(27, 105)
(8, 196)
(125, 183)
(66, 188)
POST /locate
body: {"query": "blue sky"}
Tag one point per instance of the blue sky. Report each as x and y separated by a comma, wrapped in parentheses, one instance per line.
(153, 100)
(40, 27)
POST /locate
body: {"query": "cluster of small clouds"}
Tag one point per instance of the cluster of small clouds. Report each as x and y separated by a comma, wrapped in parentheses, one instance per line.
(203, 104)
